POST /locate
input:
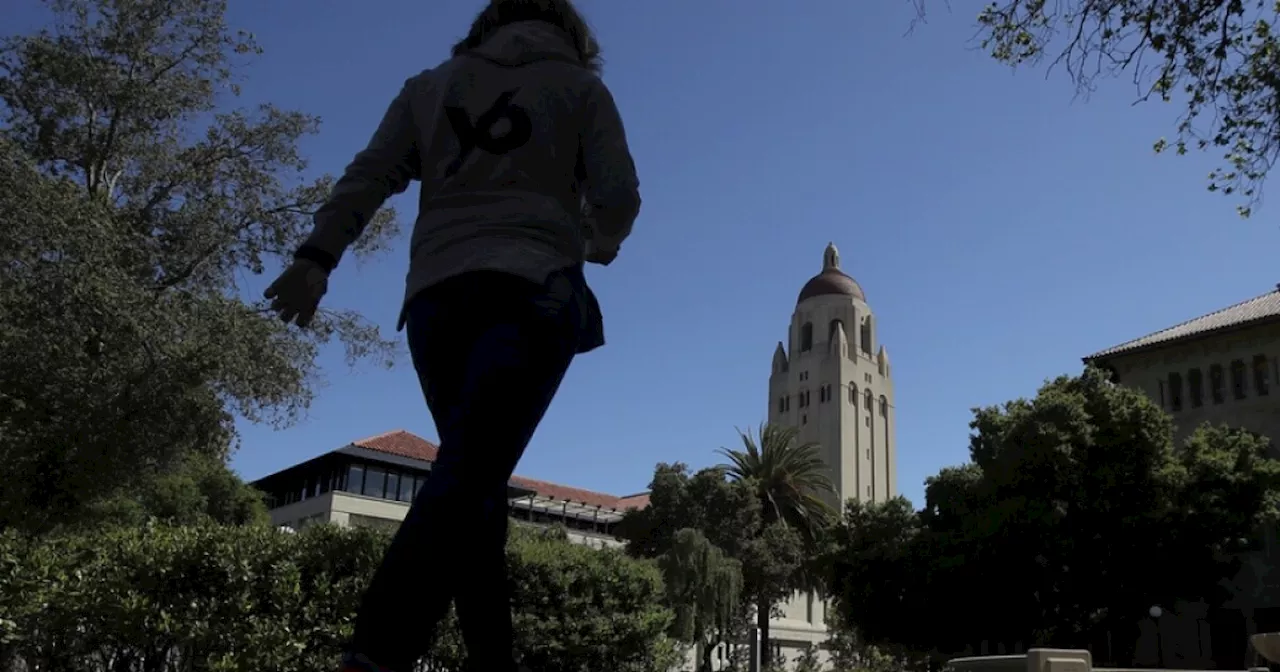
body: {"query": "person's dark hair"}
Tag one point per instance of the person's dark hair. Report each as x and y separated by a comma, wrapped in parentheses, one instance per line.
(559, 13)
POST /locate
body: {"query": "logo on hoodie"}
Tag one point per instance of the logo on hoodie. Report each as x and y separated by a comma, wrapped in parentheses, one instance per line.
(480, 134)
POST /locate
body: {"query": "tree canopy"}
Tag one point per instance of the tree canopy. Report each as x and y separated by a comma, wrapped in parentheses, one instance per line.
(1061, 527)
(729, 514)
(137, 201)
(1217, 58)
(698, 528)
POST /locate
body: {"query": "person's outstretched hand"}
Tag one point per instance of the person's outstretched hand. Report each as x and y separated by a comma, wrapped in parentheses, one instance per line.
(296, 294)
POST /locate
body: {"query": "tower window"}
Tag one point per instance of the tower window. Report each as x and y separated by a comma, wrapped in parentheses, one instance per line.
(822, 394)
(1237, 379)
(853, 394)
(1175, 391)
(865, 336)
(1195, 385)
(806, 337)
(866, 399)
(1217, 384)
(804, 419)
(782, 404)
(1261, 376)
(884, 406)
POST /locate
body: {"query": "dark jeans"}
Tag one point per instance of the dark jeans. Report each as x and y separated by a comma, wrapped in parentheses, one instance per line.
(490, 350)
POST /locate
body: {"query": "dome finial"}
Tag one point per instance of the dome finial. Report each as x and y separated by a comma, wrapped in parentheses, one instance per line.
(831, 257)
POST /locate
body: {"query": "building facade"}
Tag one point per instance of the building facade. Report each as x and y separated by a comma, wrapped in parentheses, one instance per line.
(1219, 368)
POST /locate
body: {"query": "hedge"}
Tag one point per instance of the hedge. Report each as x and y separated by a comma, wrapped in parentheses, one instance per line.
(215, 598)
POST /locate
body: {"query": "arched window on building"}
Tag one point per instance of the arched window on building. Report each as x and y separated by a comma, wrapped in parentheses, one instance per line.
(1237, 379)
(1175, 391)
(1261, 376)
(867, 399)
(1217, 384)
(853, 393)
(806, 337)
(1195, 387)
(884, 406)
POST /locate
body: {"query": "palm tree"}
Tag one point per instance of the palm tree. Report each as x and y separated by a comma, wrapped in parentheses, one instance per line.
(791, 480)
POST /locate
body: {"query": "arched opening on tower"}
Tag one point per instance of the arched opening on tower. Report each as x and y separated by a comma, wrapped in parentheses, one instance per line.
(806, 337)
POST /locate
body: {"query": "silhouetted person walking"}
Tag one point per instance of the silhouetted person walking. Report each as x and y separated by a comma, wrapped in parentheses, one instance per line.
(515, 139)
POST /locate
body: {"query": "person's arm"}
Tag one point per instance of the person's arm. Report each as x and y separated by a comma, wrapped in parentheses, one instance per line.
(383, 169)
(611, 187)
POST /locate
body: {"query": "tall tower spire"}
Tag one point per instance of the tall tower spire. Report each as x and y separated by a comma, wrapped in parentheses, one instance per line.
(833, 384)
(831, 258)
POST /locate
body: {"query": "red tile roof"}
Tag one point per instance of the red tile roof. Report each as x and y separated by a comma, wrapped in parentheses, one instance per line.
(1258, 309)
(405, 444)
(402, 443)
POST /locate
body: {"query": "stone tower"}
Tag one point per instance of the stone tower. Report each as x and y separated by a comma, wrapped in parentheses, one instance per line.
(833, 383)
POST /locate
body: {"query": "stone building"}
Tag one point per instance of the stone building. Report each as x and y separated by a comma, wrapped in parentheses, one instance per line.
(370, 482)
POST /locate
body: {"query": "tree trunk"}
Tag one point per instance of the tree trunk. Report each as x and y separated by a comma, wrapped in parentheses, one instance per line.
(707, 648)
(762, 624)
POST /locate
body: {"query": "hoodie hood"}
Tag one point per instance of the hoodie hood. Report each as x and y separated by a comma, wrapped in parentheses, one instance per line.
(526, 42)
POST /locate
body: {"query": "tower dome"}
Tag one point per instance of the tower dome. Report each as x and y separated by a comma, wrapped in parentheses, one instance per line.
(831, 280)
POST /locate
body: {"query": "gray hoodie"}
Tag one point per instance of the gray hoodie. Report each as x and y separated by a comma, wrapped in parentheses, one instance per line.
(510, 141)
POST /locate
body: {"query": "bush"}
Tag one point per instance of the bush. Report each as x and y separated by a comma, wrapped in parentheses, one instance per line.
(215, 598)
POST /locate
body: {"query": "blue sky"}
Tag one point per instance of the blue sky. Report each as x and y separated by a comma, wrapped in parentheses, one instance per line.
(1001, 227)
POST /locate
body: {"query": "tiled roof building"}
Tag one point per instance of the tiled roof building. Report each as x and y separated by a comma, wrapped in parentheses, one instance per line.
(371, 481)
(1220, 367)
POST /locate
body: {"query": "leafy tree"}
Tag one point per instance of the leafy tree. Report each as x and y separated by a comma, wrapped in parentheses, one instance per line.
(877, 568)
(725, 512)
(683, 507)
(790, 481)
(1058, 526)
(1218, 58)
(704, 588)
(136, 200)
(201, 489)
